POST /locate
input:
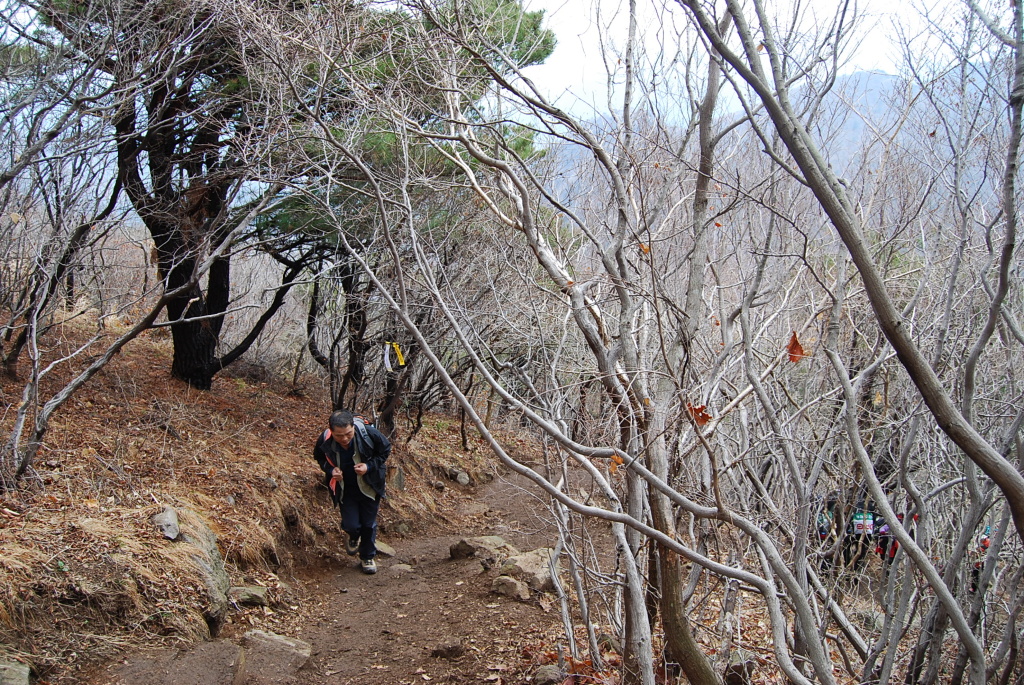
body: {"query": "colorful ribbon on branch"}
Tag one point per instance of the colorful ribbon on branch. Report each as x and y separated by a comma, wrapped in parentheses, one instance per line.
(388, 347)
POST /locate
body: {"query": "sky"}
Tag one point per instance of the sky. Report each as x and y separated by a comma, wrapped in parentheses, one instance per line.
(576, 77)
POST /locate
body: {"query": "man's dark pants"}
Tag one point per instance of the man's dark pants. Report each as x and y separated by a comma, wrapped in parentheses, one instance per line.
(359, 520)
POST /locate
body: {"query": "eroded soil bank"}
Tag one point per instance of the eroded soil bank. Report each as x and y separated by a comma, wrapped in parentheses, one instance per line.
(423, 617)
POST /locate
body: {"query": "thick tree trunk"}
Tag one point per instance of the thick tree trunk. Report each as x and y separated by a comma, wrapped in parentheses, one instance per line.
(196, 319)
(194, 354)
(184, 221)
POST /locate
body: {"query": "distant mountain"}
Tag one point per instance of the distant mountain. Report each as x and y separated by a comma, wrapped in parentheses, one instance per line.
(856, 110)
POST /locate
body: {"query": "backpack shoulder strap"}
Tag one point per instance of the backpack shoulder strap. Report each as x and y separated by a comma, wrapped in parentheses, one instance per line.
(360, 425)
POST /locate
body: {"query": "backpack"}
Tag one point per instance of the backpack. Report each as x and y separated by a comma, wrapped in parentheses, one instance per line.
(359, 422)
(862, 522)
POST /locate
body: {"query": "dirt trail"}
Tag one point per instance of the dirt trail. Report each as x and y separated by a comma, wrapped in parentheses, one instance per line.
(422, 618)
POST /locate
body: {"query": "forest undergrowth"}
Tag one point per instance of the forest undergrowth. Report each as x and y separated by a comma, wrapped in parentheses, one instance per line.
(86, 579)
(84, 575)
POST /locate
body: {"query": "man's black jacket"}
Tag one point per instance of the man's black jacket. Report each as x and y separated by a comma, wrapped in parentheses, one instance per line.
(372, 449)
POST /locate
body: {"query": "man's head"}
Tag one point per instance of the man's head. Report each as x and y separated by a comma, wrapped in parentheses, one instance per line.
(342, 427)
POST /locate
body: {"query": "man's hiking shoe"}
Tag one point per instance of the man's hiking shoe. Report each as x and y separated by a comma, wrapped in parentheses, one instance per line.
(369, 566)
(351, 545)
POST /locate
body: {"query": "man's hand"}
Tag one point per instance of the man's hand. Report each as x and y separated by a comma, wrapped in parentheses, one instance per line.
(337, 473)
(360, 469)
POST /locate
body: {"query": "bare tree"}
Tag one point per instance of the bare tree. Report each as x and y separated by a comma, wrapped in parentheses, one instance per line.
(187, 155)
(771, 443)
(61, 194)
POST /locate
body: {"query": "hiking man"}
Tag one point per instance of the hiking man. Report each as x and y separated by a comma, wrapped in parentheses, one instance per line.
(351, 453)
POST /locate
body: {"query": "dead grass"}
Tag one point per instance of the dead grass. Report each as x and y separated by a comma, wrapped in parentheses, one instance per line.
(84, 575)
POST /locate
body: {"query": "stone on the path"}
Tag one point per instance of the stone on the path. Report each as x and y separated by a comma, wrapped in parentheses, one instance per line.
(272, 652)
(549, 674)
(489, 549)
(533, 568)
(452, 651)
(248, 596)
(401, 568)
(14, 673)
(166, 521)
(458, 475)
(385, 549)
(510, 587)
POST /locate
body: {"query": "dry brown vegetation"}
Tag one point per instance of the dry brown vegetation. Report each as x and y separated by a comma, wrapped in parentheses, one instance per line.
(85, 578)
(84, 574)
